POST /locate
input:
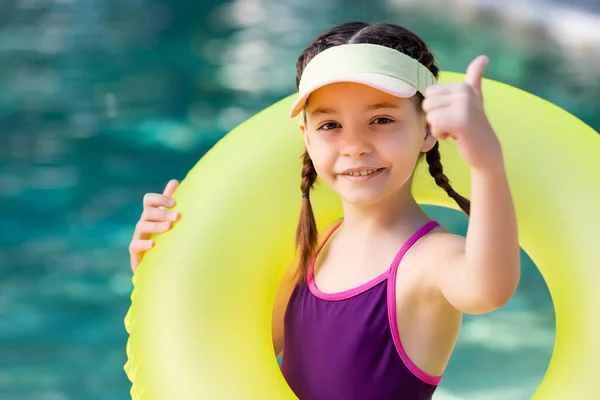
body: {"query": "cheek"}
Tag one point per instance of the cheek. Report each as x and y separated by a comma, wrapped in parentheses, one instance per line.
(319, 150)
(402, 154)
(319, 158)
(402, 145)
(323, 165)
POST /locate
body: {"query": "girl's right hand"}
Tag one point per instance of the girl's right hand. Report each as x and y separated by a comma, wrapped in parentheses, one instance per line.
(156, 218)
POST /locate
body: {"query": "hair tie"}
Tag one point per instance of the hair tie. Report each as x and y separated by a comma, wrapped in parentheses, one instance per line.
(305, 195)
(452, 193)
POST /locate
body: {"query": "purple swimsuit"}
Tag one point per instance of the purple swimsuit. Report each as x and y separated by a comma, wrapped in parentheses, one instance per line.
(346, 346)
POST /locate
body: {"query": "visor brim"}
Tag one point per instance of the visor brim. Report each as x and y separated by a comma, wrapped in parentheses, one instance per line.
(385, 83)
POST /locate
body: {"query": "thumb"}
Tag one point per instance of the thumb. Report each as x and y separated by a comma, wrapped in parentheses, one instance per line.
(170, 188)
(475, 72)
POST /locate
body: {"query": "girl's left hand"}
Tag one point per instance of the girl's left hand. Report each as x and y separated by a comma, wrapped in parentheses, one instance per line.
(456, 110)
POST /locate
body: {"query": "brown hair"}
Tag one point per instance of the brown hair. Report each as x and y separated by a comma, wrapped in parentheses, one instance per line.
(392, 36)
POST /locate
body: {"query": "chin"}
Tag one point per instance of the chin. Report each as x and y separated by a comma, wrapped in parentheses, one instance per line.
(361, 197)
(367, 195)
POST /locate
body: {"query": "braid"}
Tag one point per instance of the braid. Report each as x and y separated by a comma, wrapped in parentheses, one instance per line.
(436, 170)
(306, 233)
(394, 37)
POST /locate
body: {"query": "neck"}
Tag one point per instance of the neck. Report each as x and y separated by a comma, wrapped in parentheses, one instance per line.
(398, 211)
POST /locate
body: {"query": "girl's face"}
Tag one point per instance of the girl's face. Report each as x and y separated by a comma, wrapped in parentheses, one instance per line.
(364, 143)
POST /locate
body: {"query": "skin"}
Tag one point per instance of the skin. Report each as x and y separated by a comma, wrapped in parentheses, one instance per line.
(443, 275)
(156, 218)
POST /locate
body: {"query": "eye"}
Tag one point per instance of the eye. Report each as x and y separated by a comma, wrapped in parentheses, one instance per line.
(328, 126)
(382, 121)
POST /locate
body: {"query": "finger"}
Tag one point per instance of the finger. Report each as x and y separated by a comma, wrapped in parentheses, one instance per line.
(157, 200)
(437, 101)
(137, 249)
(440, 133)
(446, 88)
(475, 72)
(145, 229)
(135, 260)
(139, 246)
(170, 188)
(157, 215)
(441, 123)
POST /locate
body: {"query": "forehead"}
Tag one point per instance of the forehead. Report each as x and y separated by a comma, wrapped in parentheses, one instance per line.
(350, 94)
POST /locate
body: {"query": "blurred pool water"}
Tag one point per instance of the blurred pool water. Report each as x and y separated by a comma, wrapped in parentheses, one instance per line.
(103, 101)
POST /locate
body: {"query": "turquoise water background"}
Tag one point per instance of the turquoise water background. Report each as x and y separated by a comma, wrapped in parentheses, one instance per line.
(103, 101)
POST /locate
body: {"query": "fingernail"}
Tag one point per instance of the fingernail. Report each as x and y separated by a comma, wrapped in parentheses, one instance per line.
(150, 244)
(171, 203)
(175, 216)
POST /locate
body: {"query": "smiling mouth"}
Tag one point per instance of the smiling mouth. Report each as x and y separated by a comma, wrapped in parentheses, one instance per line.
(366, 172)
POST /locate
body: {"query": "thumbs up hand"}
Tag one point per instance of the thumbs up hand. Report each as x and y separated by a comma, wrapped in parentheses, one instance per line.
(455, 110)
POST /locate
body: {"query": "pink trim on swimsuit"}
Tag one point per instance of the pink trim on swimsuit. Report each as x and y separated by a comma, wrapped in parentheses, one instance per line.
(346, 294)
(391, 273)
(419, 373)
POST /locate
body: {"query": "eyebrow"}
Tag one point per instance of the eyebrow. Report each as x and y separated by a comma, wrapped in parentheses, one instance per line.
(372, 107)
(379, 106)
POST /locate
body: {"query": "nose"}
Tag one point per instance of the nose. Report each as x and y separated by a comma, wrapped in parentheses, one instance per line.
(355, 143)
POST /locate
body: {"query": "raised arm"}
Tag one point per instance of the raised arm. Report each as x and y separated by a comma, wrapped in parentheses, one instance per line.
(480, 273)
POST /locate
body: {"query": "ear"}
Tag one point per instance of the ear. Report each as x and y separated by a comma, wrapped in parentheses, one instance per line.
(304, 131)
(429, 140)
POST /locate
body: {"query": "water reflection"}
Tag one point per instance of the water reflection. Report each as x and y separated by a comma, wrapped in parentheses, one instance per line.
(102, 101)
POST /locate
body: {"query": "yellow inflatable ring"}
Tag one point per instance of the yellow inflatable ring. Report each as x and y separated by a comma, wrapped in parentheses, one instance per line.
(199, 323)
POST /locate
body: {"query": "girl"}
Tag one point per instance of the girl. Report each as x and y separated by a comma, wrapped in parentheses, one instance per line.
(371, 309)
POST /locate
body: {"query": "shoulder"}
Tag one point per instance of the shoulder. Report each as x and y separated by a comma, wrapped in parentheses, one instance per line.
(436, 251)
(440, 244)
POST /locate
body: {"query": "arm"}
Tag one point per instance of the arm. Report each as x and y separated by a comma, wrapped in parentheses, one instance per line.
(482, 272)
